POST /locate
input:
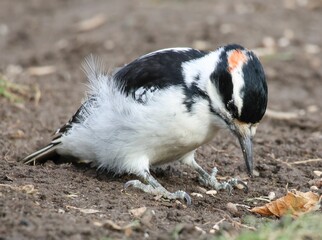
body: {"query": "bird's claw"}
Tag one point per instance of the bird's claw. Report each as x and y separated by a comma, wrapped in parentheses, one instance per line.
(131, 183)
(159, 190)
(180, 195)
(244, 184)
(211, 181)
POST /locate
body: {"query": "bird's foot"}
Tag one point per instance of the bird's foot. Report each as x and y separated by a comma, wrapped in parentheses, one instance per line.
(155, 188)
(211, 181)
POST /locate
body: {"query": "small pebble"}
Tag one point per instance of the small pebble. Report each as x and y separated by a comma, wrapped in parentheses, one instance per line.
(255, 173)
(211, 192)
(232, 208)
(201, 189)
(318, 173)
(196, 195)
(314, 188)
(138, 212)
(216, 227)
(61, 211)
(240, 186)
(271, 195)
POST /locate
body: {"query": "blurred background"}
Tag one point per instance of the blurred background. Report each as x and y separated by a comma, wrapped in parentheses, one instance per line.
(42, 46)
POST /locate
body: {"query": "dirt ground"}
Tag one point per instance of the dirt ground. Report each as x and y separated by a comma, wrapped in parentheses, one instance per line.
(64, 201)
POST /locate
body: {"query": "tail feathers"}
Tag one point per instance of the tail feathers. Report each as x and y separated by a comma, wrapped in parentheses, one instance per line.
(42, 155)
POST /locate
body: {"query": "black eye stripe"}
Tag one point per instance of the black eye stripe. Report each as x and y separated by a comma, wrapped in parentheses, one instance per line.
(223, 79)
(254, 92)
(232, 108)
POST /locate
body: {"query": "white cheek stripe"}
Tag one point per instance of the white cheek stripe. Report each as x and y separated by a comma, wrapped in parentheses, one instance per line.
(203, 67)
(238, 84)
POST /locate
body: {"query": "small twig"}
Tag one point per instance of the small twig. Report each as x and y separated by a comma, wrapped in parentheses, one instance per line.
(306, 161)
(245, 226)
(7, 185)
(227, 217)
(41, 70)
(243, 205)
(279, 160)
(281, 115)
(217, 150)
(220, 221)
(258, 198)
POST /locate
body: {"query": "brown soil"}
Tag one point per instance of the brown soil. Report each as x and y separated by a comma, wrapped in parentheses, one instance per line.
(38, 33)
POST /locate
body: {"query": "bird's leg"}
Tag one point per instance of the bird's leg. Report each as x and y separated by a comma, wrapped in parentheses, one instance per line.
(154, 187)
(209, 180)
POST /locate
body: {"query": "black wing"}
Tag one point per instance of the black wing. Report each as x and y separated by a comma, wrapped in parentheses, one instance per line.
(78, 117)
(141, 77)
(158, 70)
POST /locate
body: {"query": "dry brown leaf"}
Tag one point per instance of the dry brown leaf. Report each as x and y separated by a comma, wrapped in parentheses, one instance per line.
(295, 203)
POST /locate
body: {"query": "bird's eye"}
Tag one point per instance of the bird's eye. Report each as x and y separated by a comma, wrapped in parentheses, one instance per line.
(231, 107)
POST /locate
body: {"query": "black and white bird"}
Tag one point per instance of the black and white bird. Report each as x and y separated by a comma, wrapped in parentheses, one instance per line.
(160, 108)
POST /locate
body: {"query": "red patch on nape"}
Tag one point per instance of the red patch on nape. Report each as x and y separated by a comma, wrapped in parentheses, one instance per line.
(235, 59)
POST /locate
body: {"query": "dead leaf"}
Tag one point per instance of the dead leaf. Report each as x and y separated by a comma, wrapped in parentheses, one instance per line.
(295, 203)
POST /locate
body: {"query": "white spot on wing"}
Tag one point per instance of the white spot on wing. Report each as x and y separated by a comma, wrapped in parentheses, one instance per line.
(143, 95)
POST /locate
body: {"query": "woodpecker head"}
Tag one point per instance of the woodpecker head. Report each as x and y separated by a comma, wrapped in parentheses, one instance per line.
(240, 83)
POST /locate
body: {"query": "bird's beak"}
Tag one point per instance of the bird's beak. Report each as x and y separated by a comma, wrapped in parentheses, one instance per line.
(244, 133)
